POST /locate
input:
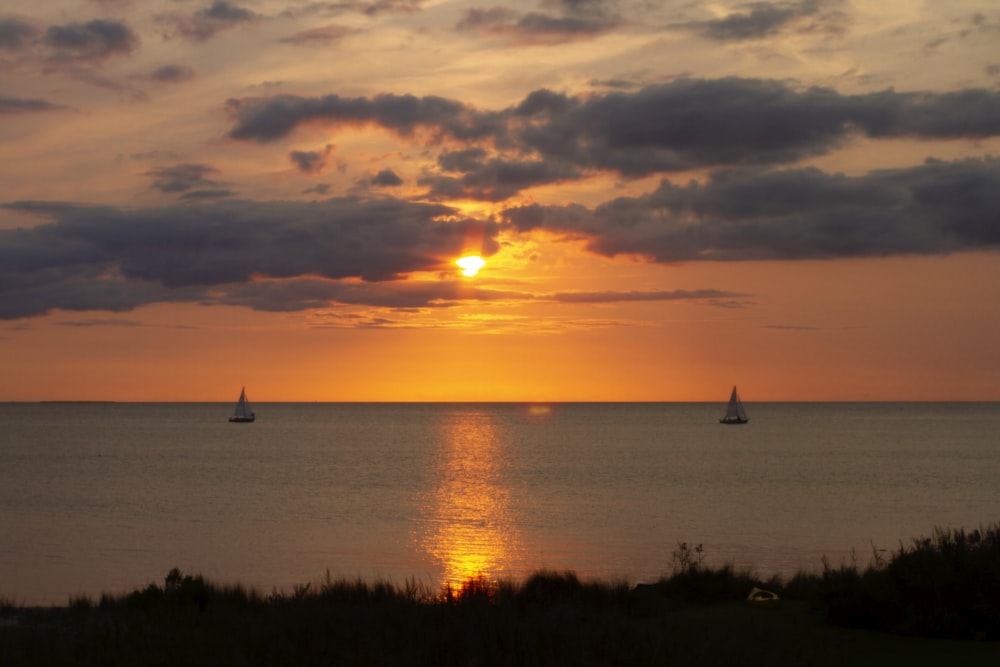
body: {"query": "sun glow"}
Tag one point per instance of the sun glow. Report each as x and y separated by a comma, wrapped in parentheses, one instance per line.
(470, 528)
(470, 264)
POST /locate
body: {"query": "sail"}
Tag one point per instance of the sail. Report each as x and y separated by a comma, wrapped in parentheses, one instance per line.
(243, 412)
(735, 414)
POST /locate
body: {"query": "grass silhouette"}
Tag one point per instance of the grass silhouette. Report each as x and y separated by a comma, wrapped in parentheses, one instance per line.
(946, 585)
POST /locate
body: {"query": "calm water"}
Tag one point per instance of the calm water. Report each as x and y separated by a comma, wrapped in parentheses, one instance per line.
(109, 497)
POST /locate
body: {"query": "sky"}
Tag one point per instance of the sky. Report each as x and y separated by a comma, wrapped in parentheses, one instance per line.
(801, 198)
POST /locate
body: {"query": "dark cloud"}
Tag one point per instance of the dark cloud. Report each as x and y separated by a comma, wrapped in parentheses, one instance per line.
(17, 34)
(267, 119)
(692, 123)
(535, 28)
(106, 258)
(322, 36)
(678, 126)
(386, 178)
(297, 255)
(14, 105)
(311, 162)
(172, 74)
(755, 214)
(93, 41)
(182, 177)
(759, 20)
(372, 8)
(206, 23)
(491, 179)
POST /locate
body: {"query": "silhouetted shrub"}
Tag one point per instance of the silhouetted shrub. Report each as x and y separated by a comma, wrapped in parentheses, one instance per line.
(946, 585)
(707, 585)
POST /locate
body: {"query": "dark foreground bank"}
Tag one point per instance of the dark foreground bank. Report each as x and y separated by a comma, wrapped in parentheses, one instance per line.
(936, 602)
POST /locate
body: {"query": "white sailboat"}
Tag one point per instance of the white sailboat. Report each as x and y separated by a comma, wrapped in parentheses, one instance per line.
(243, 412)
(735, 414)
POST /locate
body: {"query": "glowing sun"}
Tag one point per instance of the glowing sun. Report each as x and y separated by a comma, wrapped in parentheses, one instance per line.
(470, 264)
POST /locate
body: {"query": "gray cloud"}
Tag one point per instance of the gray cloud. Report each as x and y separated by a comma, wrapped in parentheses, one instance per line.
(182, 177)
(534, 28)
(267, 119)
(372, 8)
(678, 126)
(172, 74)
(757, 214)
(493, 179)
(276, 256)
(105, 258)
(693, 123)
(322, 36)
(759, 20)
(15, 105)
(206, 23)
(311, 162)
(92, 41)
(386, 178)
(17, 34)
(298, 255)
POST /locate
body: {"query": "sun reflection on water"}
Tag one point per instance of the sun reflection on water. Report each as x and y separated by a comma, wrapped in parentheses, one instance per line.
(468, 527)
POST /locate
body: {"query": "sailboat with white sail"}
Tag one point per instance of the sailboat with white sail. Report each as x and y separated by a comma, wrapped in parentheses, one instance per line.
(243, 413)
(735, 414)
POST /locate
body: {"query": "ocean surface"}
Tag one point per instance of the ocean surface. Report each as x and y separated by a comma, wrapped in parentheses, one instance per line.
(108, 497)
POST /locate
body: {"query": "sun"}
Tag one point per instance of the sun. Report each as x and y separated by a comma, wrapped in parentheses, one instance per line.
(470, 264)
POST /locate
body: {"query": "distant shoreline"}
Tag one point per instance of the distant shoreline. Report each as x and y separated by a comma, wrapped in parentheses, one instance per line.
(517, 402)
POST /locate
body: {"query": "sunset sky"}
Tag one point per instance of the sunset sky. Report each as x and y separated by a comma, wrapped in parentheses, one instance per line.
(801, 198)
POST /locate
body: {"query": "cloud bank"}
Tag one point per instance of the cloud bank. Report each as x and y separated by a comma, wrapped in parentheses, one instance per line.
(678, 126)
(753, 204)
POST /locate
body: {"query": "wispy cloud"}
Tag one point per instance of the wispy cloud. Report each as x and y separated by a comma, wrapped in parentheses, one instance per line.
(172, 74)
(760, 20)
(534, 27)
(321, 36)
(206, 23)
(183, 178)
(14, 105)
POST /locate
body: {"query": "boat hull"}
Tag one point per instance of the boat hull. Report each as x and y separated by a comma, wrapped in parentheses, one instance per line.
(241, 420)
(735, 420)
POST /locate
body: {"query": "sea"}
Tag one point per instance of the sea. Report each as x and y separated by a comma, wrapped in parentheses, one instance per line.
(108, 497)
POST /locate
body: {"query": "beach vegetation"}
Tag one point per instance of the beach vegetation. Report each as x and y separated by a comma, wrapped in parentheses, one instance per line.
(943, 586)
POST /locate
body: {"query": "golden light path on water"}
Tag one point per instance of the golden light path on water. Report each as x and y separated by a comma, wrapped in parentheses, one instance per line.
(469, 529)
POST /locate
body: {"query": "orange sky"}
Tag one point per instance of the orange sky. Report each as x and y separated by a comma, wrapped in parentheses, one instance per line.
(797, 197)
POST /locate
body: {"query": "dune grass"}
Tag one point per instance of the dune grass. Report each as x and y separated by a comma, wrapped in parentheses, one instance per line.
(947, 585)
